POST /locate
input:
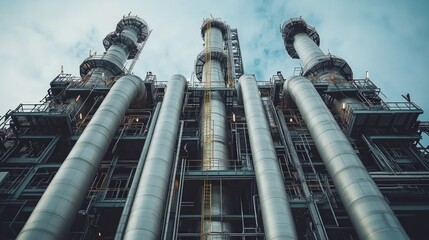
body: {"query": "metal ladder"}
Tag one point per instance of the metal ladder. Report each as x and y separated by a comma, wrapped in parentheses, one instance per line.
(206, 208)
(206, 203)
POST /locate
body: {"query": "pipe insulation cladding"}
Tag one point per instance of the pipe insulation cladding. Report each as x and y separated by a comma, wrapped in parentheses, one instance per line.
(368, 210)
(56, 210)
(276, 213)
(146, 214)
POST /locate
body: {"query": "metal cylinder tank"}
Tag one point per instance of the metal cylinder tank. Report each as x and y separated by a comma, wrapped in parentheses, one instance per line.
(368, 210)
(210, 65)
(148, 207)
(276, 213)
(56, 210)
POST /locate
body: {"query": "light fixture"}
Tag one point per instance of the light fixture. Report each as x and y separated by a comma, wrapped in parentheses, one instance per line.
(291, 120)
(344, 105)
(78, 97)
(80, 116)
(233, 117)
(137, 119)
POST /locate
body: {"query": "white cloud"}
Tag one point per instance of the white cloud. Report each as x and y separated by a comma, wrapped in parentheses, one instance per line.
(387, 38)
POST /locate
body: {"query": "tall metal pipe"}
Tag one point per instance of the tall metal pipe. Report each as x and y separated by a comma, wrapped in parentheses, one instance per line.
(55, 212)
(213, 139)
(210, 68)
(276, 213)
(139, 169)
(368, 210)
(148, 208)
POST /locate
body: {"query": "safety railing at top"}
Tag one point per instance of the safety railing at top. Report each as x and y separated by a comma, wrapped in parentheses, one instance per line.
(41, 107)
(218, 165)
(383, 106)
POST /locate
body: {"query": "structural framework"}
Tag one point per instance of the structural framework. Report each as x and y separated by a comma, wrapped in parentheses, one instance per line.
(318, 155)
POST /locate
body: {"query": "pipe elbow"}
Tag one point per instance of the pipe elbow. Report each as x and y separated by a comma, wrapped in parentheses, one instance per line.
(288, 85)
(140, 97)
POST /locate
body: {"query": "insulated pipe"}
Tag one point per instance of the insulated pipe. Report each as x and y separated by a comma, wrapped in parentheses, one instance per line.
(56, 210)
(368, 210)
(132, 192)
(148, 207)
(309, 53)
(276, 213)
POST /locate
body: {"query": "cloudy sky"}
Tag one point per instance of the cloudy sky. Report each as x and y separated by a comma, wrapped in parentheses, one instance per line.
(388, 38)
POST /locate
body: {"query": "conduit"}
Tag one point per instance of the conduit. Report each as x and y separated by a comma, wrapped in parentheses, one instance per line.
(276, 213)
(132, 192)
(369, 212)
(148, 208)
(56, 210)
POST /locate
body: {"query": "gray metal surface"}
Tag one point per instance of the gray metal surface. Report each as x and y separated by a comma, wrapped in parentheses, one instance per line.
(120, 46)
(56, 210)
(139, 169)
(148, 208)
(309, 53)
(368, 210)
(276, 213)
(213, 138)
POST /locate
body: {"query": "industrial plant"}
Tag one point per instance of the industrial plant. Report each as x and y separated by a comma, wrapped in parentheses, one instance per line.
(313, 154)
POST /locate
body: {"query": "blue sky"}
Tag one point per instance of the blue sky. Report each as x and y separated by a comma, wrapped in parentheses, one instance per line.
(387, 38)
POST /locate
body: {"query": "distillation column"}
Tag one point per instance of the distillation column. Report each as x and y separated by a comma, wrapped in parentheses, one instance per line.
(148, 208)
(368, 210)
(210, 69)
(276, 213)
(56, 210)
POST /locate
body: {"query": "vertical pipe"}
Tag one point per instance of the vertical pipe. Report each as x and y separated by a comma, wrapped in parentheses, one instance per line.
(55, 212)
(148, 208)
(276, 213)
(309, 53)
(215, 152)
(366, 206)
(213, 136)
(132, 193)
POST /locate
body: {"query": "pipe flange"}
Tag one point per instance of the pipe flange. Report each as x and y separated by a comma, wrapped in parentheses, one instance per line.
(99, 61)
(216, 54)
(135, 23)
(292, 27)
(214, 23)
(129, 45)
(329, 64)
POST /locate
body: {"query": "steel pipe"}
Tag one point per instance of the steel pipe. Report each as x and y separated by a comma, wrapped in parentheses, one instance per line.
(276, 213)
(148, 208)
(368, 210)
(213, 138)
(309, 53)
(56, 210)
(133, 189)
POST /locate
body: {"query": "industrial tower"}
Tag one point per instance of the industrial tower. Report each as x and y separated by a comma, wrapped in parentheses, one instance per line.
(318, 155)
